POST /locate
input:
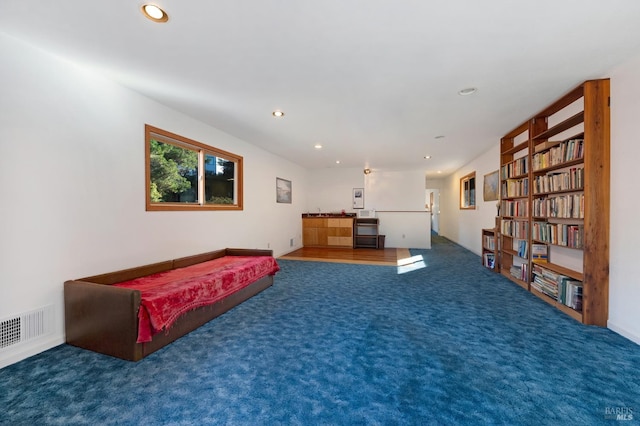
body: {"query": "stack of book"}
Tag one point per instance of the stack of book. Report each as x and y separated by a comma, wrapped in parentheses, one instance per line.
(557, 286)
(562, 206)
(559, 234)
(519, 272)
(515, 187)
(566, 151)
(517, 167)
(489, 242)
(573, 179)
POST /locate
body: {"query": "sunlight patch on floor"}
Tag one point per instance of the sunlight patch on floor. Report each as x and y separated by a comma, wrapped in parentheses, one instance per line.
(409, 264)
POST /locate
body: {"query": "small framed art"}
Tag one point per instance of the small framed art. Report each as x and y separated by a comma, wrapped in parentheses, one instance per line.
(283, 191)
(358, 198)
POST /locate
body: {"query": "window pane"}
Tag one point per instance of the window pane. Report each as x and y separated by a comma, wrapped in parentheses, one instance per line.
(219, 175)
(173, 173)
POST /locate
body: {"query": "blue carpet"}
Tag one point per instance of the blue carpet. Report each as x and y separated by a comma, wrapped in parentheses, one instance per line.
(339, 344)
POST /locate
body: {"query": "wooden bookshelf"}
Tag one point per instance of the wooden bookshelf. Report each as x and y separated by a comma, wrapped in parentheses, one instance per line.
(571, 217)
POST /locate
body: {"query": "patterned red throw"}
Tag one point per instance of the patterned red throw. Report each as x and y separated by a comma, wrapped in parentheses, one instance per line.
(167, 295)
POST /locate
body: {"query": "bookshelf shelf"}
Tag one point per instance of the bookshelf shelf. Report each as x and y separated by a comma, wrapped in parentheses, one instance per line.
(561, 127)
(565, 191)
(557, 167)
(562, 205)
(521, 283)
(511, 252)
(567, 310)
(516, 148)
(564, 271)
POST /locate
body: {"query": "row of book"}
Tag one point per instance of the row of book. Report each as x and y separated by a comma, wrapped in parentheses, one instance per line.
(573, 179)
(557, 286)
(517, 167)
(488, 242)
(523, 249)
(515, 187)
(515, 228)
(565, 151)
(539, 252)
(562, 207)
(519, 272)
(516, 208)
(559, 234)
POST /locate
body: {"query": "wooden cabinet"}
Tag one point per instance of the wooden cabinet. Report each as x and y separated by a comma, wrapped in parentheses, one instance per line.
(555, 203)
(314, 232)
(340, 232)
(366, 233)
(327, 232)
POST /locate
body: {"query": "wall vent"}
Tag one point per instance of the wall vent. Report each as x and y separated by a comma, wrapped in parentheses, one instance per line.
(26, 326)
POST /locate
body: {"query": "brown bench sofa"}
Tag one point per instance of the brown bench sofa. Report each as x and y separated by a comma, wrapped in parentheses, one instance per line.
(103, 317)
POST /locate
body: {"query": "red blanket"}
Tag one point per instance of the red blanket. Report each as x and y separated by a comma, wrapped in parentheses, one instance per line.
(167, 295)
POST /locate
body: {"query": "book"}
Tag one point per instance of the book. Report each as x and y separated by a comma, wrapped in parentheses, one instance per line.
(489, 260)
(573, 296)
(539, 253)
(522, 249)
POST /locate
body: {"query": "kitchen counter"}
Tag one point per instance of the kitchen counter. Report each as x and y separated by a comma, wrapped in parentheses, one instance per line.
(327, 230)
(335, 215)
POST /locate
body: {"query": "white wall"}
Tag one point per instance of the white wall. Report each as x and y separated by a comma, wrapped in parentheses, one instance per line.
(331, 190)
(72, 173)
(465, 226)
(624, 284)
(406, 229)
(399, 200)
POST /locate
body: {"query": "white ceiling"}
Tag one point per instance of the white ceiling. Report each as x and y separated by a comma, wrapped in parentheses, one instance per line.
(373, 81)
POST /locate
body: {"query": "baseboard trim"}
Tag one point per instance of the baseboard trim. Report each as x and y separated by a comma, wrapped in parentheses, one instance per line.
(623, 332)
(24, 351)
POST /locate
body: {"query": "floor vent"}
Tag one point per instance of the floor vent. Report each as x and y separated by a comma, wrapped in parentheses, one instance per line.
(26, 326)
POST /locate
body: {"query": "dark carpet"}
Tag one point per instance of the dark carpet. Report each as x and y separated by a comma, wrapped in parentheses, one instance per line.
(341, 344)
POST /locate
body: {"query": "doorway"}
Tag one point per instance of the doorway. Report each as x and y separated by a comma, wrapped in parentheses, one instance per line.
(433, 206)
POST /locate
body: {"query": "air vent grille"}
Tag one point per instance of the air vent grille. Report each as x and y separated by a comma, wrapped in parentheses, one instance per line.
(9, 332)
(26, 326)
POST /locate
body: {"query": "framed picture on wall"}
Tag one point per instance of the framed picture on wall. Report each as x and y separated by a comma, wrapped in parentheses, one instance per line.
(358, 198)
(490, 189)
(283, 191)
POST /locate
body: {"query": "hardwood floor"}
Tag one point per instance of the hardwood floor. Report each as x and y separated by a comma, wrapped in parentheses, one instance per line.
(387, 256)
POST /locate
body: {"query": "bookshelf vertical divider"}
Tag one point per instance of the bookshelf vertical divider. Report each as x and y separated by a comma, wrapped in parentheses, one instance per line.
(554, 203)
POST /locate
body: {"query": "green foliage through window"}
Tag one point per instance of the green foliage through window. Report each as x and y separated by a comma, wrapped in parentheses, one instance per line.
(184, 174)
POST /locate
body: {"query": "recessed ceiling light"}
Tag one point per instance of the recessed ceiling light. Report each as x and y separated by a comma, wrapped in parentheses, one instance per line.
(337, 161)
(317, 146)
(468, 91)
(277, 113)
(426, 157)
(154, 13)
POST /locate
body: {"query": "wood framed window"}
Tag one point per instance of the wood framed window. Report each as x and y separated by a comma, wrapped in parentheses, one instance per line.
(182, 174)
(468, 191)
